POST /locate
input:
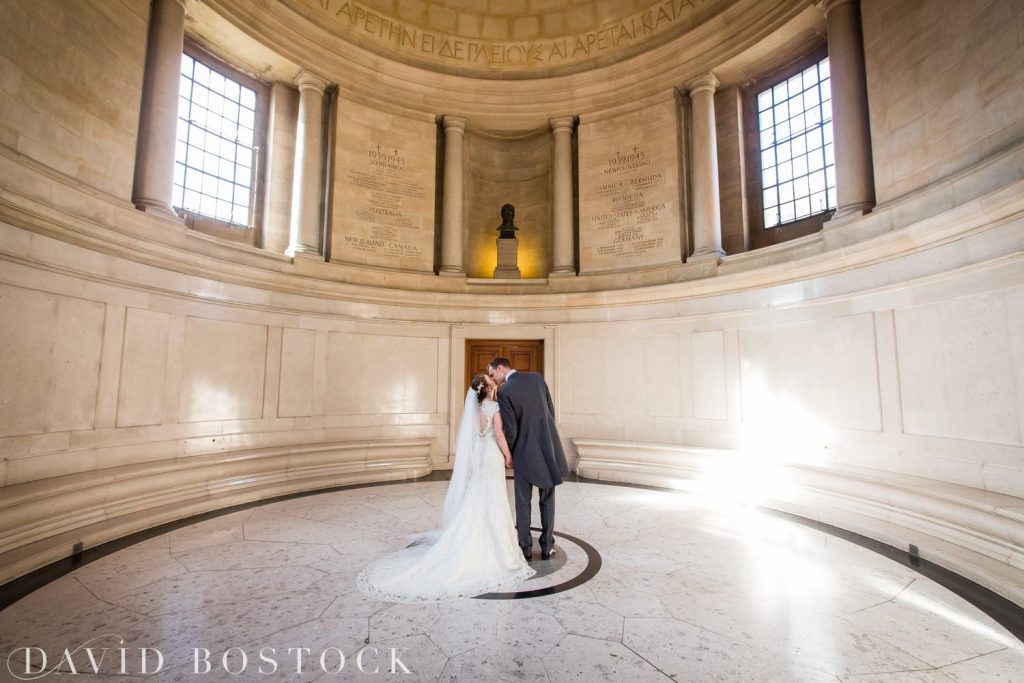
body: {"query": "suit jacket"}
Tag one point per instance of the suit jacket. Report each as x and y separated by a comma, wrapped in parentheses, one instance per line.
(528, 420)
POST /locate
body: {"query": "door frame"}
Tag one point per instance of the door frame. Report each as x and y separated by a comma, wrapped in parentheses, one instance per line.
(457, 364)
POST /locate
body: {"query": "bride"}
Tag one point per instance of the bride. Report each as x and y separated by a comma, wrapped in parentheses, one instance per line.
(475, 551)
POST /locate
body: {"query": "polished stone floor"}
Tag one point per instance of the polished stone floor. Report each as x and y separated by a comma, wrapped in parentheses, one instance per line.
(685, 591)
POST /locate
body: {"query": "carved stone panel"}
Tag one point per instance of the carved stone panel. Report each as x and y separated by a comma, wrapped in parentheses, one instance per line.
(629, 190)
(383, 211)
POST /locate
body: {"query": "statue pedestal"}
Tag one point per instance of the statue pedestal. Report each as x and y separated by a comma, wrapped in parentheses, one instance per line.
(508, 258)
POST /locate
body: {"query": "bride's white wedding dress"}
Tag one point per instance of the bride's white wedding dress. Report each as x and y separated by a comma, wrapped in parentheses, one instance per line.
(475, 551)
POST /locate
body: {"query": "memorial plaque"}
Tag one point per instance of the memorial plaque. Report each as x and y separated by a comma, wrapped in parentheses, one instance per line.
(629, 190)
(383, 211)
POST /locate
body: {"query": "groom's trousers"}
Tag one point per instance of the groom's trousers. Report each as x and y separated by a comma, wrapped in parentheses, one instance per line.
(524, 501)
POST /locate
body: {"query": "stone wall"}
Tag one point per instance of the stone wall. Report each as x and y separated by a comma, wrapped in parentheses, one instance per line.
(911, 363)
(924, 379)
(71, 85)
(944, 87)
(118, 377)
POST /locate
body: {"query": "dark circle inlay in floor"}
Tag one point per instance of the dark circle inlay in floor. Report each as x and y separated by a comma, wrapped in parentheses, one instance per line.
(548, 567)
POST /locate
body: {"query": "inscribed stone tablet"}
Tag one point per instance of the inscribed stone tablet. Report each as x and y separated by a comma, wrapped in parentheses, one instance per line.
(629, 190)
(383, 212)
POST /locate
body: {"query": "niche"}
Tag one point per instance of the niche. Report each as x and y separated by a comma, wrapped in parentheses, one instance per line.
(514, 169)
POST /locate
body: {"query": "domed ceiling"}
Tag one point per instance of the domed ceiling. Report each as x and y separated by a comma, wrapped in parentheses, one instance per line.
(507, 38)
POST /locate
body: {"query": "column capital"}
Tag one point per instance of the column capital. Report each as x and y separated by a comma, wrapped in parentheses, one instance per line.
(707, 81)
(454, 123)
(830, 5)
(307, 80)
(563, 123)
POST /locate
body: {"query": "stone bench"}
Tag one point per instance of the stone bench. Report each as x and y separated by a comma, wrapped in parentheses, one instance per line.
(974, 533)
(43, 520)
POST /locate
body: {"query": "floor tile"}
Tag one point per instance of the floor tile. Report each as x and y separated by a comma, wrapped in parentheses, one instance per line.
(684, 593)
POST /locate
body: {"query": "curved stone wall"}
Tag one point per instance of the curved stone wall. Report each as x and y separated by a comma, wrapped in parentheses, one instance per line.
(231, 375)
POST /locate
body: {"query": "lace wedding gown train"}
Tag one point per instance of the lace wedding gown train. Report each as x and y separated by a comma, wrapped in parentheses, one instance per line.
(476, 550)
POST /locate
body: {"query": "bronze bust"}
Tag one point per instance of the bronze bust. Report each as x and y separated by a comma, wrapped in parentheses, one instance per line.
(507, 229)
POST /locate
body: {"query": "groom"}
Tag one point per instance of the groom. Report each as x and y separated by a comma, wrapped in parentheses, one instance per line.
(528, 420)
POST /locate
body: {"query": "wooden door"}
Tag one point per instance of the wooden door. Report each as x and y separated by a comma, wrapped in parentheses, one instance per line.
(527, 355)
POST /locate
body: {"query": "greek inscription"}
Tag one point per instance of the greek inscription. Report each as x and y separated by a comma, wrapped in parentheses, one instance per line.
(359, 20)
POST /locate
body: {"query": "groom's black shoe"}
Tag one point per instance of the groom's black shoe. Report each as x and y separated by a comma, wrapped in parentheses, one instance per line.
(528, 554)
(547, 555)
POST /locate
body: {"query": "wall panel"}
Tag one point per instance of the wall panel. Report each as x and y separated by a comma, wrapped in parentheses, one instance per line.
(223, 370)
(957, 369)
(369, 374)
(143, 368)
(298, 358)
(51, 353)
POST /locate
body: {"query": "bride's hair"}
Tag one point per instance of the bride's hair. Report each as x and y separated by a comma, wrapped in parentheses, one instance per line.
(479, 385)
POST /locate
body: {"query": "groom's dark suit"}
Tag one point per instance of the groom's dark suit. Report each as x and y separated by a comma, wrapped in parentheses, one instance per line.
(528, 420)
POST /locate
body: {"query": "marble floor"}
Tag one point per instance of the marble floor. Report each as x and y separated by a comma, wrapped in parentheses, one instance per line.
(685, 592)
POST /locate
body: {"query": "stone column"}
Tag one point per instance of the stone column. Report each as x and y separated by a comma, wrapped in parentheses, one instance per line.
(707, 218)
(451, 201)
(280, 160)
(851, 131)
(304, 235)
(158, 116)
(562, 243)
